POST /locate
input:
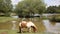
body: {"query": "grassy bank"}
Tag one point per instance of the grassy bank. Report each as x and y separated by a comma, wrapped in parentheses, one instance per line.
(15, 32)
(6, 19)
(8, 31)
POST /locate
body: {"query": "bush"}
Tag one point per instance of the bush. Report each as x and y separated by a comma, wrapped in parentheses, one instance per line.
(55, 18)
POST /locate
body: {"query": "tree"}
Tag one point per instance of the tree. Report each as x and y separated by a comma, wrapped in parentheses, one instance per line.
(5, 6)
(27, 7)
(58, 9)
(53, 9)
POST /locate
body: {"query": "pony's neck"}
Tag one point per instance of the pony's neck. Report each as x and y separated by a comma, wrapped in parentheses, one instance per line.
(23, 22)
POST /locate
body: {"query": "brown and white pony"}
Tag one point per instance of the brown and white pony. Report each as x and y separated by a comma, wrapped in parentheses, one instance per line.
(28, 25)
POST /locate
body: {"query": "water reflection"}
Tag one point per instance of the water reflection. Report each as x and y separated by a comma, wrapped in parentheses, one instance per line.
(52, 27)
(53, 23)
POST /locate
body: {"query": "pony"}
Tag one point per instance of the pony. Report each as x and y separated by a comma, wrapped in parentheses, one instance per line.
(29, 25)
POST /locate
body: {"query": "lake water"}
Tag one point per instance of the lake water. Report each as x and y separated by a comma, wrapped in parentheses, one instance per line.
(52, 27)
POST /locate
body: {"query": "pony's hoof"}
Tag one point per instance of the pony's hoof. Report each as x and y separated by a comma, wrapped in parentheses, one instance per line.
(18, 32)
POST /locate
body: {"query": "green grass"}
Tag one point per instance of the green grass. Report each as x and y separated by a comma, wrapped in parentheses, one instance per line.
(6, 19)
(44, 17)
(8, 31)
(15, 32)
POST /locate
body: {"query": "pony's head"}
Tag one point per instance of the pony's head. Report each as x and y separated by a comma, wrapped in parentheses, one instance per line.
(34, 28)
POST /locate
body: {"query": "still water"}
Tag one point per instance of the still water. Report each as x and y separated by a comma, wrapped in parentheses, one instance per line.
(51, 26)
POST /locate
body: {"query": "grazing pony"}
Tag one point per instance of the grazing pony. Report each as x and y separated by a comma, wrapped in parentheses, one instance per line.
(28, 25)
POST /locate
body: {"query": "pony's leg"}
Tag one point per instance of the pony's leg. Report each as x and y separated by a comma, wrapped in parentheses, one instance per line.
(19, 29)
(29, 29)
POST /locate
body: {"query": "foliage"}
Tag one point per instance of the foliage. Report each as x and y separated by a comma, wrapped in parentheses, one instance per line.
(26, 7)
(5, 6)
(53, 9)
(55, 18)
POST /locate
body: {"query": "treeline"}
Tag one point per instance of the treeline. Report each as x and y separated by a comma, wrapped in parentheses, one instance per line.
(53, 9)
(27, 7)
